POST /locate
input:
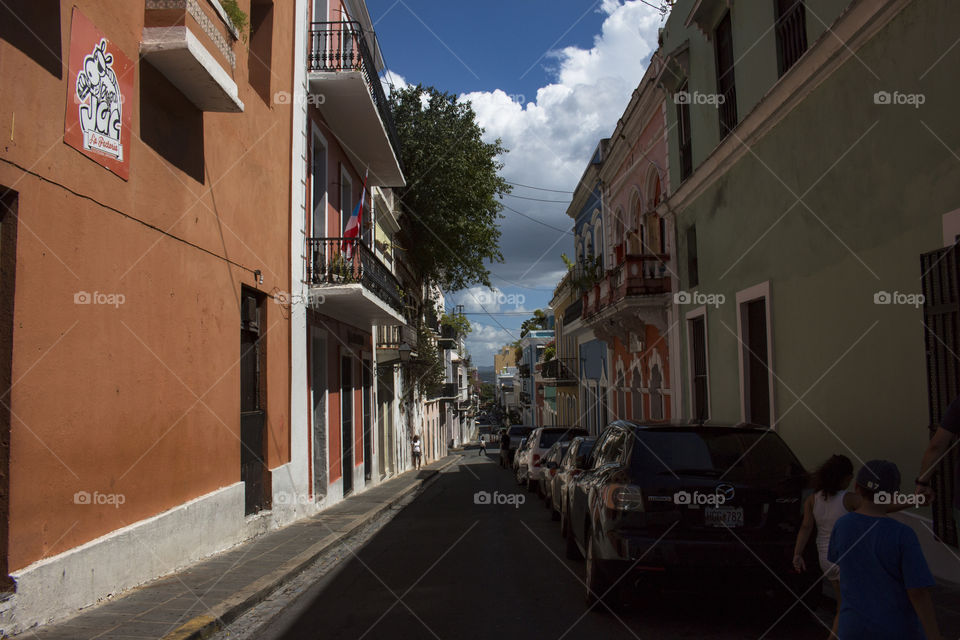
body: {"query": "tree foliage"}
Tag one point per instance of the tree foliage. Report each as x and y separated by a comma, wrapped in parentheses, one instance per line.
(538, 321)
(427, 369)
(450, 202)
(458, 323)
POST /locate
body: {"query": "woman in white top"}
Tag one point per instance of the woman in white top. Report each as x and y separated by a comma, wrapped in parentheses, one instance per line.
(417, 452)
(829, 501)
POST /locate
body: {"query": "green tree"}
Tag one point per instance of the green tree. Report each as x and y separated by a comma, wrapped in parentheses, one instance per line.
(451, 201)
(458, 323)
(538, 321)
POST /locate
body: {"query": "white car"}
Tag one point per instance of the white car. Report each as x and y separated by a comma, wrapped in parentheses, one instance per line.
(540, 441)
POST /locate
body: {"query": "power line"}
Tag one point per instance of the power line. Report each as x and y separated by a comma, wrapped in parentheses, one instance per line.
(527, 186)
(520, 213)
(538, 199)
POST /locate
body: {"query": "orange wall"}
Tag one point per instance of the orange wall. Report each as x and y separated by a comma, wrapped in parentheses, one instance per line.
(106, 398)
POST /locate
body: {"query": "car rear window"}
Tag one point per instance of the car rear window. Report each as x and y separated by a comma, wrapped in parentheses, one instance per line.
(548, 438)
(732, 455)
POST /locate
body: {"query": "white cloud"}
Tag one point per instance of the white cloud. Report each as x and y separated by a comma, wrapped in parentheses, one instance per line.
(484, 341)
(551, 138)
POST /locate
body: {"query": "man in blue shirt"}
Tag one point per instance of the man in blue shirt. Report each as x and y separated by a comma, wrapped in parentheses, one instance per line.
(884, 578)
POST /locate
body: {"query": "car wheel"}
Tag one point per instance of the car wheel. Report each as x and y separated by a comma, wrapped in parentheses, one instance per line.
(598, 587)
(572, 550)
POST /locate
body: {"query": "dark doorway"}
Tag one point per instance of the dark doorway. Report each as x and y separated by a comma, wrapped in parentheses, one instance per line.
(346, 422)
(318, 392)
(8, 269)
(253, 414)
(940, 275)
(367, 384)
(755, 361)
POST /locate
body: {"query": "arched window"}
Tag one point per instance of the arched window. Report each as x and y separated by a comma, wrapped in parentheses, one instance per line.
(636, 393)
(621, 392)
(656, 397)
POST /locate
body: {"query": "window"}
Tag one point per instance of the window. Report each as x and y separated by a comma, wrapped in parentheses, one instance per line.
(693, 268)
(663, 235)
(754, 359)
(612, 449)
(261, 47)
(791, 30)
(621, 392)
(656, 397)
(726, 87)
(683, 134)
(697, 336)
(636, 395)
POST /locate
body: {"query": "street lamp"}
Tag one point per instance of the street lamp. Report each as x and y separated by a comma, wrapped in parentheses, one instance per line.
(404, 352)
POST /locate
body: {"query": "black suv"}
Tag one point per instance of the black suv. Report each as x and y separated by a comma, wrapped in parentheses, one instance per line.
(684, 502)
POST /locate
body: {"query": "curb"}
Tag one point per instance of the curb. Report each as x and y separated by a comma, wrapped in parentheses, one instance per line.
(226, 611)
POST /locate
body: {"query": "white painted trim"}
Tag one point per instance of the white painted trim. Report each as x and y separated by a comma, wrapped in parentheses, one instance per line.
(699, 312)
(951, 228)
(756, 292)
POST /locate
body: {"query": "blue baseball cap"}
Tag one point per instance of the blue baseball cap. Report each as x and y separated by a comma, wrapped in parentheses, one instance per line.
(879, 475)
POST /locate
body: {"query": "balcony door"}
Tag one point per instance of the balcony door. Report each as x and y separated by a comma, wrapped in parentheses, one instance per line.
(321, 11)
(318, 197)
(346, 422)
(346, 200)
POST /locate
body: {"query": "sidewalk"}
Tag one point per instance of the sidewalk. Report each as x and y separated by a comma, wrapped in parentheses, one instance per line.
(201, 599)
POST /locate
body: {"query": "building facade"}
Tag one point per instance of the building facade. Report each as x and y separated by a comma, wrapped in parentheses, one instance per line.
(763, 233)
(145, 186)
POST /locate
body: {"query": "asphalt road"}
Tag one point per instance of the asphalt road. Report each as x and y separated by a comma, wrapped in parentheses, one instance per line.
(445, 567)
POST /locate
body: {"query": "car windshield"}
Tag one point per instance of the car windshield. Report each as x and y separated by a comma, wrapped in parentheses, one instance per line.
(733, 455)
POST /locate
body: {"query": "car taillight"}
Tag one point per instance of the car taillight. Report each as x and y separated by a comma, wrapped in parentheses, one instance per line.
(536, 460)
(623, 497)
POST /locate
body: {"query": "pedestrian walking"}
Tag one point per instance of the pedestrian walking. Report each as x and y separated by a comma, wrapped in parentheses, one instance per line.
(483, 448)
(417, 452)
(943, 440)
(884, 577)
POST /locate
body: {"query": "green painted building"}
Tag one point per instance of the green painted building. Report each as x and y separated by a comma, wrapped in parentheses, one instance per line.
(814, 157)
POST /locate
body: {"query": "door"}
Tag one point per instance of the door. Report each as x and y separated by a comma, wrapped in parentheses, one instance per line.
(346, 422)
(366, 385)
(940, 276)
(318, 403)
(318, 196)
(253, 414)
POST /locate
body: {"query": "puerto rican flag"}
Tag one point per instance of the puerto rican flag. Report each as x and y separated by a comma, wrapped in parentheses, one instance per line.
(353, 225)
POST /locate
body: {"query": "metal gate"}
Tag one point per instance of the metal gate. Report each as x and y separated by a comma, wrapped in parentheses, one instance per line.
(941, 317)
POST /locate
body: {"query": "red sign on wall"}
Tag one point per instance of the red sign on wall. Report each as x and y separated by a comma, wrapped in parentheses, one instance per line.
(99, 86)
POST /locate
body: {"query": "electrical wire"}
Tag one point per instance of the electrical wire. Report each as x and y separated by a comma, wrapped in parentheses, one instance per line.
(527, 186)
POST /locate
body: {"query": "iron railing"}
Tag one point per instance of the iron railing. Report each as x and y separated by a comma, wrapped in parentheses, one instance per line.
(343, 46)
(396, 335)
(559, 369)
(524, 370)
(573, 311)
(350, 261)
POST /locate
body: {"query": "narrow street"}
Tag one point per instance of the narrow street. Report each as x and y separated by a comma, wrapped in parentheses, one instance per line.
(446, 567)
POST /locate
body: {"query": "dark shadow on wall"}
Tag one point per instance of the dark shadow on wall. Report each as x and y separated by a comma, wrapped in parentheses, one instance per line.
(170, 124)
(33, 27)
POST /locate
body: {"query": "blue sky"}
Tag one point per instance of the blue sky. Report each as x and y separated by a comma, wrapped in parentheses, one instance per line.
(548, 77)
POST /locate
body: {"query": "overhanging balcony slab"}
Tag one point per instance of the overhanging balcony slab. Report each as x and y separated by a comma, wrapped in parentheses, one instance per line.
(181, 57)
(353, 304)
(344, 99)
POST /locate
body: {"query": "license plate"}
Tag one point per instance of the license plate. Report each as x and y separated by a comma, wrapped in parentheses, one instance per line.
(723, 516)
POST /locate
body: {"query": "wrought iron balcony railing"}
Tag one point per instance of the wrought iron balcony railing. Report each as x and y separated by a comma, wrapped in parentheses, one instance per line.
(559, 369)
(343, 46)
(350, 261)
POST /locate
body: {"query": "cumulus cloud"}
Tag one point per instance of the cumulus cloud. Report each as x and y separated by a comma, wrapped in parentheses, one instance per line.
(552, 137)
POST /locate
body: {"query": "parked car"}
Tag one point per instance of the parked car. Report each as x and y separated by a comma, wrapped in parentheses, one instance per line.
(541, 439)
(520, 461)
(685, 502)
(550, 464)
(509, 447)
(573, 463)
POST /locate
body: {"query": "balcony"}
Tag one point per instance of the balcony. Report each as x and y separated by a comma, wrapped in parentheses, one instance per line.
(389, 339)
(446, 391)
(559, 371)
(342, 77)
(349, 283)
(573, 311)
(633, 293)
(448, 338)
(191, 43)
(524, 370)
